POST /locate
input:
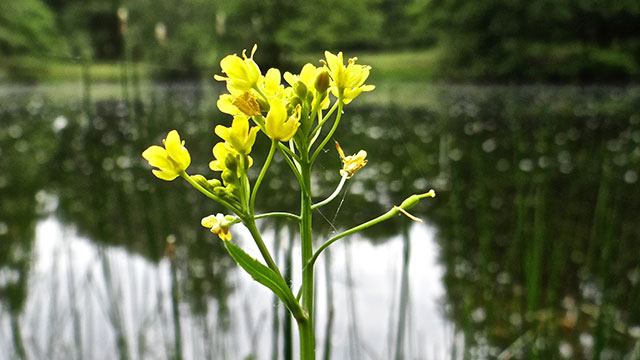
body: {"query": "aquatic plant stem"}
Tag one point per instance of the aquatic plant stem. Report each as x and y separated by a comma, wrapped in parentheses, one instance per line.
(307, 336)
(307, 340)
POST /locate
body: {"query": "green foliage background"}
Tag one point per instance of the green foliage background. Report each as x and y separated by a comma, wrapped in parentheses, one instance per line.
(514, 40)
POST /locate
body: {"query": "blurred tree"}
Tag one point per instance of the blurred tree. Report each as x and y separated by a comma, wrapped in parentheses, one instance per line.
(27, 27)
(181, 38)
(332, 24)
(534, 39)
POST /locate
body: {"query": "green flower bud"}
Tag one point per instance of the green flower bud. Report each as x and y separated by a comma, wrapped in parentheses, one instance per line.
(300, 89)
(220, 191)
(295, 101)
(230, 162)
(322, 81)
(229, 177)
(413, 200)
(214, 183)
(202, 181)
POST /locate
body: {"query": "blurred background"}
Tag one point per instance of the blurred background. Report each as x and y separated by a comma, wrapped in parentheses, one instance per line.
(524, 117)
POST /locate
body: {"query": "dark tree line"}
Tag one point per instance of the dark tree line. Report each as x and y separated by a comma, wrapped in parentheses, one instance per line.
(493, 39)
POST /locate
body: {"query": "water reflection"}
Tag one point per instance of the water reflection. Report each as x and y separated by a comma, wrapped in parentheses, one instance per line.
(531, 251)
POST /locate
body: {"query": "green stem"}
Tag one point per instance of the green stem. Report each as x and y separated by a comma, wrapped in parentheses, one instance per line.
(308, 351)
(316, 131)
(386, 216)
(293, 167)
(253, 229)
(332, 196)
(210, 195)
(278, 214)
(282, 147)
(330, 134)
(307, 340)
(267, 162)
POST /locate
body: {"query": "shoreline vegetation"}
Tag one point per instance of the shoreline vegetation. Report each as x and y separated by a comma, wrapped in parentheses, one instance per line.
(567, 65)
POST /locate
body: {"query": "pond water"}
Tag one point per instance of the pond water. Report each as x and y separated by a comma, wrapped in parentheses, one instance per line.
(530, 250)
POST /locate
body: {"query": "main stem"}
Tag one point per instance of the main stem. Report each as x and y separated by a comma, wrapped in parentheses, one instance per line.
(307, 336)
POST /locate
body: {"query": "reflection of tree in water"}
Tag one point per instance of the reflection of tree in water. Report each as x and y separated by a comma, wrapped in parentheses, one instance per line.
(25, 147)
(535, 207)
(110, 196)
(538, 225)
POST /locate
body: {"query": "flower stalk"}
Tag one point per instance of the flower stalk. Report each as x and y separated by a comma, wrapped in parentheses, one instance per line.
(294, 115)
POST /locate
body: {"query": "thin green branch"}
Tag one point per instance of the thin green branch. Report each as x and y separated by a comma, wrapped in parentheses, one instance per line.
(267, 162)
(316, 132)
(211, 195)
(284, 148)
(293, 167)
(332, 196)
(330, 134)
(278, 214)
(407, 204)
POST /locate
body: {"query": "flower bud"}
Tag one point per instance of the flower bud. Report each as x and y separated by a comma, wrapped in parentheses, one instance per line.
(214, 183)
(295, 101)
(229, 177)
(413, 200)
(322, 81)
(202, 181)
(220, 191)
(300, 89)
(230, 162)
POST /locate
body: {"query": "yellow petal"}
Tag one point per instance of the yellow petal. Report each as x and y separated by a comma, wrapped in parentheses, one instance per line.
(225, 105)
(308, 75)
(164, 174)
(272, 81)
(156, 156)
(209, 221)
(176, 151)
(222, 132)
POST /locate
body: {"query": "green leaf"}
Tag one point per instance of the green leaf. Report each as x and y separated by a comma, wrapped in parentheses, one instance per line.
(264, 276)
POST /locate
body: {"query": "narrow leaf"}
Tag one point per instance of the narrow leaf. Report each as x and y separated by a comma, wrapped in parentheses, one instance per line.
(263, 275)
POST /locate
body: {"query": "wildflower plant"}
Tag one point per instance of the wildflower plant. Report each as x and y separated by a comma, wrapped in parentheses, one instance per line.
(292, 116)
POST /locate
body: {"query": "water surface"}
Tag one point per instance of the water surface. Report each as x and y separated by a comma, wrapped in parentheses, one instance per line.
(530, 250)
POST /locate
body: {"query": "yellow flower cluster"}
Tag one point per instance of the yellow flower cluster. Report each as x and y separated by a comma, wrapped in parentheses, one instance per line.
(251, 94)
(284, 112)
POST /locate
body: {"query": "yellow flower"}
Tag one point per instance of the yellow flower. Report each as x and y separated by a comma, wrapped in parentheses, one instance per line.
(278, 125)
(242, 74)
(239, 135)
(308, 76)
(170, 160)
(347, 80)
(225, 105)
(220, 153)
(219, 224)
(351, 163)
(243, 103)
